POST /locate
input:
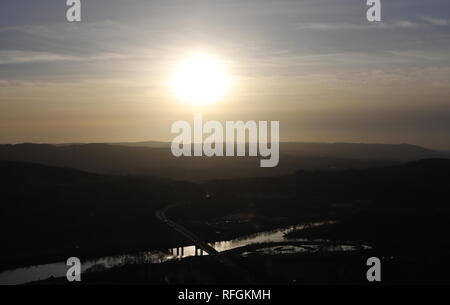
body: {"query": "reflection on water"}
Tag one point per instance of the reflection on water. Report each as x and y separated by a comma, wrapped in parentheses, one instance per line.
(290, 249)
(41, 272)
(182, 252)
(274, 236)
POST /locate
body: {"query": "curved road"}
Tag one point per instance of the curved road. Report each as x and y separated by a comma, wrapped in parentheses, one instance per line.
(161, 215)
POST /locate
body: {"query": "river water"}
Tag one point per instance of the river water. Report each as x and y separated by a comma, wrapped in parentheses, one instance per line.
(59, 269)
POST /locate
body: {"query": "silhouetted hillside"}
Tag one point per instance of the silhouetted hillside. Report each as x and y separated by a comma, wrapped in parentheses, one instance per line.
(49, 213)
(425, 181)
(135, 159)
(401, 152)
(402, 211)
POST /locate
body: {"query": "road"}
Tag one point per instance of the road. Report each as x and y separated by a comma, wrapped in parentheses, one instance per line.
(199, 243)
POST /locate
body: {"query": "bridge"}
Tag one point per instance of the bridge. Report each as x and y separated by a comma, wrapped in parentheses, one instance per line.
(201, 245)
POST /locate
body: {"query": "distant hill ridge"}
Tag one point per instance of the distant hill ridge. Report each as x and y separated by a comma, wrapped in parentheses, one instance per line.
(155, 158)
(317, 149)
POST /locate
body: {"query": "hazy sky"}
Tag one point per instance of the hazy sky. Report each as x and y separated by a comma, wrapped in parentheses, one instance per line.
(317, 66)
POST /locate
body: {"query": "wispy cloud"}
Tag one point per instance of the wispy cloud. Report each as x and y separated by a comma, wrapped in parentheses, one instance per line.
(24, 57)
(400, 24)
(436, 21)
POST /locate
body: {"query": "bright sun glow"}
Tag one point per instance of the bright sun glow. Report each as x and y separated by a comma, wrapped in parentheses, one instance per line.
(200, 79)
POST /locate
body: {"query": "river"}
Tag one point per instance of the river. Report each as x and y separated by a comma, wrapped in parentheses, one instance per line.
(40, 272)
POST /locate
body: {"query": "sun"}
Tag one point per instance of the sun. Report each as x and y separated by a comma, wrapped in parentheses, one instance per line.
(200, 79)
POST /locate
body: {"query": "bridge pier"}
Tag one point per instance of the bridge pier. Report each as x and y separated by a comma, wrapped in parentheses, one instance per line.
(160, 214)
(198, 251)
